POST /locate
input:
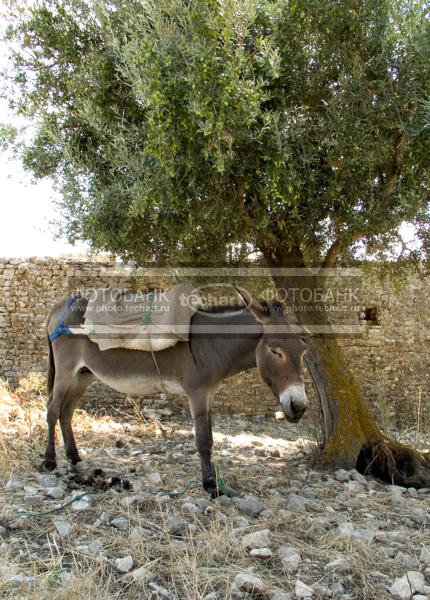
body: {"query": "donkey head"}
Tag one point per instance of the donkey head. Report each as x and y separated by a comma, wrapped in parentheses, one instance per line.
(280, 353)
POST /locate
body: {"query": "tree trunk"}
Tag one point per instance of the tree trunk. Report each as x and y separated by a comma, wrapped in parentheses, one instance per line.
(351, 436)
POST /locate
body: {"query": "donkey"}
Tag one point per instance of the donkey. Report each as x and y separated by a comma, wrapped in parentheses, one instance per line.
(195, 369)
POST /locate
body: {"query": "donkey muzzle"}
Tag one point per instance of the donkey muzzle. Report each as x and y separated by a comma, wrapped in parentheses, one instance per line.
(294, 402)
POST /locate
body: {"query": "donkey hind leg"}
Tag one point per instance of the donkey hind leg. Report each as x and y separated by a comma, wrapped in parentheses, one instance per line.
(61, 405)
(203, 433)
(66, 413)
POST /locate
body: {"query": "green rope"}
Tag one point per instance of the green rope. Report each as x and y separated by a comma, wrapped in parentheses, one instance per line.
(147, 315)
(221, 485)
(24, 513)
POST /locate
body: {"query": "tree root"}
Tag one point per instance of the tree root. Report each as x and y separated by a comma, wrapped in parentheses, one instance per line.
(395, 463)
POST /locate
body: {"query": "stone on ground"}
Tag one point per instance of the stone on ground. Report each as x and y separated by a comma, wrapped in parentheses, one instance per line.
(405, 587)
(261, 553)
(290, 558)
(125, 564)
(301, 590)
(257, 539)
(251, 584)
(251, 506)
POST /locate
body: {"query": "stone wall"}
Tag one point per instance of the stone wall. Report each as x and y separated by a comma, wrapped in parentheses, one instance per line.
(390, 353)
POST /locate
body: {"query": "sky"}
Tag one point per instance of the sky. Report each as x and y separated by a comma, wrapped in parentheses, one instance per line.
(27, 207)
(27, 210)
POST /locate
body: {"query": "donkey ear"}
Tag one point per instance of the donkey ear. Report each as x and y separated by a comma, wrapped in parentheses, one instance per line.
(254, 306)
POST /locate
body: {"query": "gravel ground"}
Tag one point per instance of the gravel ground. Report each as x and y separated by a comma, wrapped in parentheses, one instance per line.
(292, 529)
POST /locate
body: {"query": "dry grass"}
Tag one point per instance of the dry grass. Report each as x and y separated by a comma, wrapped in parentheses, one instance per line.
(209, 555)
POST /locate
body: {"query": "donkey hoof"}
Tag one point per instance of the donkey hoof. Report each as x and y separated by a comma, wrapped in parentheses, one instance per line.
(211, 487)
(49, 464)
(74, 457)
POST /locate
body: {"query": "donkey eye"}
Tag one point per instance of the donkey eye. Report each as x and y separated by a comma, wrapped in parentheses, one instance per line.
(277, 351)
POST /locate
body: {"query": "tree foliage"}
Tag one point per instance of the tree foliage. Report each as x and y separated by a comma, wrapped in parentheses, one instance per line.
(176, 128)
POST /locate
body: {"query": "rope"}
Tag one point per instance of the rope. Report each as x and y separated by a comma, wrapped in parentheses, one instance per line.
(24, 513)
(147, 319)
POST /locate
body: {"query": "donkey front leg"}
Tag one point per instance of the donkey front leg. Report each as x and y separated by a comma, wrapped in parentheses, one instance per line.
(203, 434)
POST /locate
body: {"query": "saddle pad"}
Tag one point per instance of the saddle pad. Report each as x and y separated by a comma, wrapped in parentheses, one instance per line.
(150, 322)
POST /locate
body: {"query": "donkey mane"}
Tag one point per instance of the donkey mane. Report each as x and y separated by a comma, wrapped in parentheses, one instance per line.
(269, 308)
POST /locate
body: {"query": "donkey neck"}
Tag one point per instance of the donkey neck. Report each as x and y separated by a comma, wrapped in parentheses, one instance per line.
(228, 339)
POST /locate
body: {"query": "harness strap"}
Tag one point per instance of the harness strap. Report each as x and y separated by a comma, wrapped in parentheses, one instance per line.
(62, 327)
(147, 320)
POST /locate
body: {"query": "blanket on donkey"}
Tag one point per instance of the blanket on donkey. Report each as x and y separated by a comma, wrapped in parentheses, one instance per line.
(151, 322)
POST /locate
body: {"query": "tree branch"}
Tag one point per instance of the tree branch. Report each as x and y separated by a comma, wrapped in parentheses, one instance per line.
(395, 169)
(332, 254)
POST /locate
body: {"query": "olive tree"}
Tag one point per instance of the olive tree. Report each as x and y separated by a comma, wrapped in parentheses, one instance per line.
(297, 128)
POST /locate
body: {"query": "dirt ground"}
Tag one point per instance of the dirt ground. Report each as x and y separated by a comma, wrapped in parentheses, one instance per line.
(132, 521)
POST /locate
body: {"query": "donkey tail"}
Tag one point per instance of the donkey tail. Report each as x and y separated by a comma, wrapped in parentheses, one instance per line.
(51, 367)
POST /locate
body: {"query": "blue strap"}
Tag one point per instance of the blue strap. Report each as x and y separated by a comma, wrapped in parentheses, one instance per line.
(62, 327)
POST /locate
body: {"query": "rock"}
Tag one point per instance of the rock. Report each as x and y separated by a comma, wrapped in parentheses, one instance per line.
(356, 476)
(380, 577)
(176, 525)
(279, 595)
(16, 484)
(317, 527)
(258, 539)
(251, 584)
(83, 502)
(296, 503)
(46, 480)
(225, 501)
(203, 503)
(124, 565)
(18, 580)
(191, 508)
(56, 492)
(366, 536)
(301, 590)
(354, 487)
(408, 560)
(154, 478)
(323, 592)
(64, 529)
(270, 482)
(261, 553)
(342, 475)
(251, 506)
(3, 531)
(140, 576)
(95, 547)
(34, 499)
(290, 558)
(240, 522)
(339, 565)
(159, 592)
(337, 588)
(120, 523)
(67, 578)
(425, 556)
(346, 530)
(211, 596)
(405, 587)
